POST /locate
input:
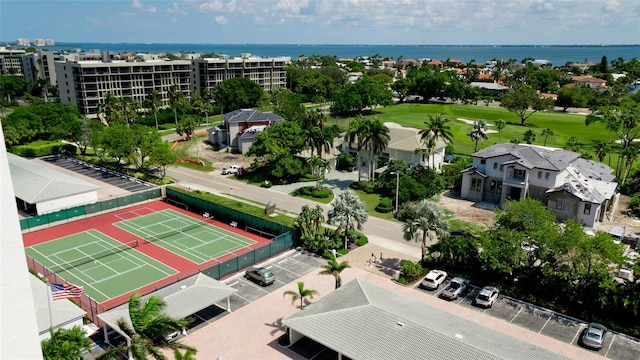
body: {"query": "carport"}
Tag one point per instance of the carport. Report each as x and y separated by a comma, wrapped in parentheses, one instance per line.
(183, 299)
(363, 321)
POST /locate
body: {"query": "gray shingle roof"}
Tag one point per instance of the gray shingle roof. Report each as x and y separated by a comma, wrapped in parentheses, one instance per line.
(585, 188)
(363, 321)
(249, 115)
(34, 183)
(531, 156)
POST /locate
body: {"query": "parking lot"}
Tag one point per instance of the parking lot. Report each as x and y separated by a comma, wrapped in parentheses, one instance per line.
(545, 322)
(110, 177)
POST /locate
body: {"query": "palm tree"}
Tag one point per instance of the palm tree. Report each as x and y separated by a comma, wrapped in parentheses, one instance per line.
(335, 268)
(428, 149)
(426, 221)
(318, 166)
(546, 133)
(349, 212)
(200, 106)
(437, 129)
(356, 133)
(153, 102)
(630, 154)
(66, 344)
(308, 225)
(129, 109)
(147, 330)
(500, 124)
(601, 148)
(110, 109)
(301, 294)
(176, 100)
(479, 131)
(375, 141)
(188, 354)
(529, 136)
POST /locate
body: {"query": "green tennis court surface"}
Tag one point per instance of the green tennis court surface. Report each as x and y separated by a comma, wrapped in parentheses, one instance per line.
(190, 238)
(104, 266)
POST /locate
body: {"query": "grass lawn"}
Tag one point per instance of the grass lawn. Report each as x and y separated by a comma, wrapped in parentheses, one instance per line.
(371, 201)
(186, 150)
(564, 125)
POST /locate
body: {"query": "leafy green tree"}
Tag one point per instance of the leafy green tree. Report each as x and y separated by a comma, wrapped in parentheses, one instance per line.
(525, 101)
(402, 86)
(147, 329)
(529, 136)
(309, 227)
(177, 101)
(571, 97)
(364, 93)
(238, 93)
(21, 126)
(153, 103)
(478, 132)
(349, 212)
(287, 104)
(301, 294)
(186, 127)
(426, 221)
(66, 344)
(334, 268)
(147, 140)
(12, 87)
(316, 86)
(546, 133)
(187, 355)
(119, 142)
(278, 140)
(161, 156)
(500, 124)
(287, 168)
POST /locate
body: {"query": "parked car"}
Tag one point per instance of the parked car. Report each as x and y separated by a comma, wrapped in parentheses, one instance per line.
(487, 296)
(593, 336)
(456, 287)
(261, 275)
(433, 279)
(232, 170)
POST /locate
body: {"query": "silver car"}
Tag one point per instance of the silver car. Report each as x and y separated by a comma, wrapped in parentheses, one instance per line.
(487, 296)
(262, 276)
(593, 336)
(456, 287)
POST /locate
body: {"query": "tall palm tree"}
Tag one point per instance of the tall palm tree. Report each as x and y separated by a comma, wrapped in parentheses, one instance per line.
(147, 330)
(335, 268)
(479, 131)
(437, 129)
(546, 133)
(427, 220)
(66, 344)
(301, 294)
(375, 141)
(153, 102)
(529, 136)
(356, 133)
(129, 109)
(500, 124)
(110, 109)
(601, 149)
(349, 212)
(318, 166)
(176, 100)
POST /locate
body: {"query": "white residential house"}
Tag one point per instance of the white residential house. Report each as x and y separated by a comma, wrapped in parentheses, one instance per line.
(240, 128)
(571, 187)
(405, 143)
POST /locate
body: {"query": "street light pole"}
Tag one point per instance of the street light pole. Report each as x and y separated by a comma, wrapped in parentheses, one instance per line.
(397, 186)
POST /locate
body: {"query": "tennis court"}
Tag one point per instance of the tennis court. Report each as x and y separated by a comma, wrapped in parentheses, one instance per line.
(193, 239)
(105, 267)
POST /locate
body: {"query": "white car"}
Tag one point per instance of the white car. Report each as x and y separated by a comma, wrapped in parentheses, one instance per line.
(231, 169)
(487, 296)
(433, 279)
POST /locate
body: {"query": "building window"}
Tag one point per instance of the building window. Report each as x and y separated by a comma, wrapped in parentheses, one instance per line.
(476, 184)
(546, 176)
(587, 209)
(539, 174)
(562, 205)
(501, 167)
(495, 165)
(519, 174)
(483, 161)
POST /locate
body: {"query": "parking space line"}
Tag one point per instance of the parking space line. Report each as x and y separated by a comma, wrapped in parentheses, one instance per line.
(233, 283)
(576, 335)
(243, 298)
(545, 324)
(610, 344)
(519, 311)
(280, 262)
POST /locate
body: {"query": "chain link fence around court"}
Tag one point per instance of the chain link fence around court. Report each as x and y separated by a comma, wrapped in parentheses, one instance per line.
(282, 237)
(65, 215)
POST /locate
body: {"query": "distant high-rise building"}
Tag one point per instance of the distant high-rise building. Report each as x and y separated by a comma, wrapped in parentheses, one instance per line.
(39, 42)
(23, 42)
(49, 42)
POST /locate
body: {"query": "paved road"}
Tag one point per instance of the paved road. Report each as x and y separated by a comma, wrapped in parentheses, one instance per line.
(380, 231)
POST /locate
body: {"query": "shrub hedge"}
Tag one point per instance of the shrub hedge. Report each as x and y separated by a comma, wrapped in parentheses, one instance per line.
(36, 150)
(385, 205)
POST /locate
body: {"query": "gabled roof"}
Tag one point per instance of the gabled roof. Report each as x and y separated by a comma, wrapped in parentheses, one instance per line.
(407, 138)
(34, 183)
(183, 298)
(584, 188)
(251, 115)
(363, 321)
(531, 156)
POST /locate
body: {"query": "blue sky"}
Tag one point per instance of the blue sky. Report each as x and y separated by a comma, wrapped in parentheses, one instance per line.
(430, 22)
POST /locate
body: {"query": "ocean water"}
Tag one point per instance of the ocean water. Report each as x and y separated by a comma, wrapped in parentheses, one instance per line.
(556, 54)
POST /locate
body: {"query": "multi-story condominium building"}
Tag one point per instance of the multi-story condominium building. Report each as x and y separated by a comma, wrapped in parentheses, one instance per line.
(10, 63)
(269, 73)
(40, 64)
(23, 42)
(86, 83)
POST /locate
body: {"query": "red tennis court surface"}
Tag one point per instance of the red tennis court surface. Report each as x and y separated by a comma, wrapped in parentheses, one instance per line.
(104, 223)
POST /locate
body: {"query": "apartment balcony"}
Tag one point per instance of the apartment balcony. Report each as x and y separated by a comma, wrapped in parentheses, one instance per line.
(515, 181)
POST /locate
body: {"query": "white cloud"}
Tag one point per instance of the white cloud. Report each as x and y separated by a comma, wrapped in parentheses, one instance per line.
(221, 20)
(176, 10)
(142, 7)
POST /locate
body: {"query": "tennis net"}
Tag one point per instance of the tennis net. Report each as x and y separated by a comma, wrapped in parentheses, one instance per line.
(173, 232)
(87, 258)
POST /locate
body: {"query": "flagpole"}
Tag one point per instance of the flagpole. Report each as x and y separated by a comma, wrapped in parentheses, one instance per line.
(49, 296)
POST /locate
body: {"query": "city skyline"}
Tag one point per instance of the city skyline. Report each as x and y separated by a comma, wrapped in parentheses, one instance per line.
(402, 22)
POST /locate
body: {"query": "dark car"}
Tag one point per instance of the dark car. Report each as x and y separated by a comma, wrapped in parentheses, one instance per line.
(593, 336)
(262, 276)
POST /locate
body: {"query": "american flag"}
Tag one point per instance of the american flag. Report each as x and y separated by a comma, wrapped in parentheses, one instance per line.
(65, 291)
